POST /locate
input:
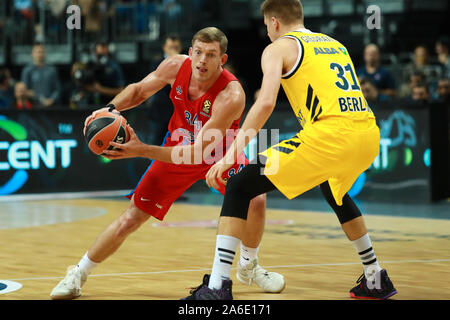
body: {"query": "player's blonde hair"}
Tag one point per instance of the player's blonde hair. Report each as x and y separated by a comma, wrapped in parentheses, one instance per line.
(287, 11)
(212, 34)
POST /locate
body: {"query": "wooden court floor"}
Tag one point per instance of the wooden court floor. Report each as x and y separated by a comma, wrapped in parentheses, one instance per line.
(159, 261)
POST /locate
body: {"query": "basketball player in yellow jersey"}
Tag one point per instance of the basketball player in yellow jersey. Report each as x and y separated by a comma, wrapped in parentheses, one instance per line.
(339, 140)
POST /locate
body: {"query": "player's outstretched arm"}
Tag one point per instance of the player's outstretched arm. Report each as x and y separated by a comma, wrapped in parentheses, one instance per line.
(227, 107)
(272, 67)
(136, 93)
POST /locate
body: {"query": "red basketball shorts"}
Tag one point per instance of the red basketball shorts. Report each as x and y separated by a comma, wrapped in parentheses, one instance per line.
(163, 183)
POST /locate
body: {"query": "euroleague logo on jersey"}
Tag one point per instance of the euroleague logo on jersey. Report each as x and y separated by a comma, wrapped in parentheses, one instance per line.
(206, 106)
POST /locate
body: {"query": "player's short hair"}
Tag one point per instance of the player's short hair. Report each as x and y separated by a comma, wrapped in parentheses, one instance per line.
(212, 34)
(287, 11)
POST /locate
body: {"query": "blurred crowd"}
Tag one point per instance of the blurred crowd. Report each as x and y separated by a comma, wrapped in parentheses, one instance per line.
(97, 77)
(96, 81)
(424, 79)
(29, 21)
(39, 87)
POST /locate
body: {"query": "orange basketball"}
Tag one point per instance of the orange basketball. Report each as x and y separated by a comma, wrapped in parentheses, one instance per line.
(104, 128)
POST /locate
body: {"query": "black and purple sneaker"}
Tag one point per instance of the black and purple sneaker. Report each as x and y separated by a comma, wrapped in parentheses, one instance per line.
(380, 288)
(202, 292)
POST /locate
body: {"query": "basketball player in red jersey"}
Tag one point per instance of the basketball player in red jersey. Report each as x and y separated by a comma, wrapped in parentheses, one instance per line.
(206, 98)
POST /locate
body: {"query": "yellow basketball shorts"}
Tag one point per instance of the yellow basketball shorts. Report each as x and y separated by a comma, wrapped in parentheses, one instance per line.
(333, 149)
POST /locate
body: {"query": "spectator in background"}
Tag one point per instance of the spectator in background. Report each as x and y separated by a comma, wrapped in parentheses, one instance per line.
(370, 91)
(55, 29)
(25, 18)
(415, 78)
(6, 89)
(170, 13)
(41, 79)
(80, 98)
(109, 75)
(421, 63)
(161, 107)
(420, 93)
(57, 7)
(373, 70)
(22, 101)
(172, 7)
(442, 55)
(443, 90)
(94, 13)
(172, 45)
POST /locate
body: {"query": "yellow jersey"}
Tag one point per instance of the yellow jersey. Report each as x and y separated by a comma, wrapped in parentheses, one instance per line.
(323, 81)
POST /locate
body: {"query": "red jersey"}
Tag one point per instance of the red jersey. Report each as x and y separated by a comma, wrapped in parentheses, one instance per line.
(163, 183)
(189, 116)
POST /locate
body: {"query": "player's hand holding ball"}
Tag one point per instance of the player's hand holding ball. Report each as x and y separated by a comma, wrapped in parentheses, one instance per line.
(132, 149)
(108, 108)
(105, 126)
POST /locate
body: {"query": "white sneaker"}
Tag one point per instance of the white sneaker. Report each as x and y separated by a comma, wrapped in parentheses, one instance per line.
(69, 287)
(268, 281)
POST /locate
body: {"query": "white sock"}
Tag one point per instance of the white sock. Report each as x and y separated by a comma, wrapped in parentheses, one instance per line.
(86, 265)
(365, 251)
(247, 254)
(223, 260)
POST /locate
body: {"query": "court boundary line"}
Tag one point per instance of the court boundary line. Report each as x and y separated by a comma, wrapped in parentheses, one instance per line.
(209, 269)
(122, 193)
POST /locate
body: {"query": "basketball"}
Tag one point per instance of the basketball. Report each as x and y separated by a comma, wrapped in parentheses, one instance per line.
(104, 128)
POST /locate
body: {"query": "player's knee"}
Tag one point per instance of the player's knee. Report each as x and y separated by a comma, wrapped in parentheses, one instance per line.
(347, 211)
(258, 206)
(235, 187)
(130, 221)
(126, 226)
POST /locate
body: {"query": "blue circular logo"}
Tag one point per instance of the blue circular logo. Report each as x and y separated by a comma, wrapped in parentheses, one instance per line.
(9, 286)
